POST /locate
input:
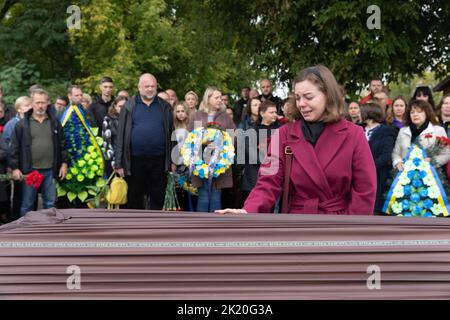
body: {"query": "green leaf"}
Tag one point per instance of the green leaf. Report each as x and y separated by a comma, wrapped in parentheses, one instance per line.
(83, 196)
(95, 131)
(92, 192)
(71, 196)
(60, 192)
(100, 183)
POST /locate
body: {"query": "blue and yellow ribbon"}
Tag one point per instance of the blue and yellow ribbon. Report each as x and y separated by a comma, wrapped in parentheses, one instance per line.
(76, 109)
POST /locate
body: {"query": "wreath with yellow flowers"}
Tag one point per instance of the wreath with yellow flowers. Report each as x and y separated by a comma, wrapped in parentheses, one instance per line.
(86, 164)
(217, 142)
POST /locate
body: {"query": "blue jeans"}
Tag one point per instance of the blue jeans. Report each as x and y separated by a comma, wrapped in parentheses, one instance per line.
(203, 199)
(48, 189)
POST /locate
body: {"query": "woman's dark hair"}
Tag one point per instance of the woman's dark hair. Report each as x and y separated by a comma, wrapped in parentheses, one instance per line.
(346, 110)
(424, 91)
(423, 106)
(112, 109)
(249, 106)
(324, 79)
(372, 111)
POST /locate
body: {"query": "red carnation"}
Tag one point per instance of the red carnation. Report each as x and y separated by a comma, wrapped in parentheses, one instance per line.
(429, 135)
(34, 179)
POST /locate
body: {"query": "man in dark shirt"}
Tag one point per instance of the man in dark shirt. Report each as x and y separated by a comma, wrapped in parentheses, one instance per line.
(59, 107)
(241, 104)
(266, 94)
(144, 145)
(99, 108)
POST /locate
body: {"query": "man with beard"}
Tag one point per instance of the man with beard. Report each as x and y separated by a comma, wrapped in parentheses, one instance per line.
(38, 144)
(60, 106)
(376, 86)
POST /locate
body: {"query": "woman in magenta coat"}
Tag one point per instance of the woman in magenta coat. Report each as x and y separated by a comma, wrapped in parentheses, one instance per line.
(332, 172)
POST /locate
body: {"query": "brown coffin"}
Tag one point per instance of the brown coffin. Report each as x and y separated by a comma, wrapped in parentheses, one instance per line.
(156, 255)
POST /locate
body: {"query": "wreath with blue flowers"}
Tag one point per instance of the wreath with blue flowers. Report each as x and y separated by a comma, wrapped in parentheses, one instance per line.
(218, 142)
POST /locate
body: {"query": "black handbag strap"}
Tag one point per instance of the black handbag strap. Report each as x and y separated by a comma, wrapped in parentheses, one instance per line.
(287, 174)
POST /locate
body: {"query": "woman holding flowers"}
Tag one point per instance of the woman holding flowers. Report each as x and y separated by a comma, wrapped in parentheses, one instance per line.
(323, 159)
(421, 127)
(421, 147)
(211, 110)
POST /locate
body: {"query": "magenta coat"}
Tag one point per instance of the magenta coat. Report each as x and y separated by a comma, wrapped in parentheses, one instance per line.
(337, 176)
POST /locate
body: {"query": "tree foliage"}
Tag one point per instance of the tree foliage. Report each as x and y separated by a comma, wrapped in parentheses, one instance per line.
(179, 42)
(414, 36)
(34, 45)
(190, 45)
(123, 39)
(16, 79)
(220, 41)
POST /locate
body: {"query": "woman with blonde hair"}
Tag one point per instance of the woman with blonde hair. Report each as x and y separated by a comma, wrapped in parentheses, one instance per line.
(86, 101)
(191, 98)
(181, 118)
(181, 115)
(22, 105)
(212, 109)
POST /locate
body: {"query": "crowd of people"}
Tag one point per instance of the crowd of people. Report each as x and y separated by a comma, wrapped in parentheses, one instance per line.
(338, 154)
